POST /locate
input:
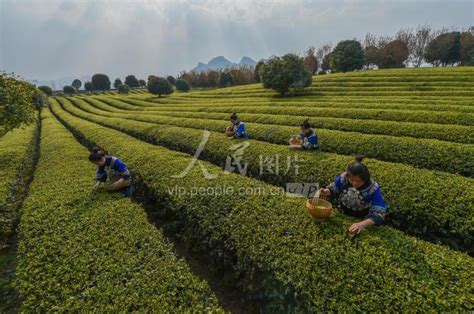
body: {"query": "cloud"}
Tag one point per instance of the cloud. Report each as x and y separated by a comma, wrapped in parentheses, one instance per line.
(47, 39)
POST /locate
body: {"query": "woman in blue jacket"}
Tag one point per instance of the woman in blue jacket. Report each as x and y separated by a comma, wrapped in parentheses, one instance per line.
(308, 136)
(113, 167)
(239, 128)
(357, 195)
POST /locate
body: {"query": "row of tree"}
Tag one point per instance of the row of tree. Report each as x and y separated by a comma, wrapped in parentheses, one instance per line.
(220, 78)
(101, 82)
(410, 46)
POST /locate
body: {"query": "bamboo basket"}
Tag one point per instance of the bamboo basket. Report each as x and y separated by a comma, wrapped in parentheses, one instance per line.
(318, 207)
(229, 131)
(295, 141)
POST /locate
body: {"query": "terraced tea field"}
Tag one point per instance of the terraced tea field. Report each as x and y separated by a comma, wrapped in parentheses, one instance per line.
(83, 251)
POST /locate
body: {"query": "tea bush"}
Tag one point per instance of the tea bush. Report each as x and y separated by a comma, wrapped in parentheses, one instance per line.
(17, 150)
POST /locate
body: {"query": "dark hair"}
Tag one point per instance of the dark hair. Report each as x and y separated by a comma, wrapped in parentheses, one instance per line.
(358, 169)
(233, 116)
(96, 154)
(306, 124)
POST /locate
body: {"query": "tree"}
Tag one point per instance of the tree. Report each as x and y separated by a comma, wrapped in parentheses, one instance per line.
(393, 54)
(322, 52)
(117, 83)
(284, 73)
(100, 82)
(46, 89)
(171, 79)
(123, 89)
(327, 61)
(371, 54)
(16, 106)
(142, 83)
(370, 40)
(132, 81)
(211, 79)
(76, 84)
(151, 76)
(225, 79)
(407, 36)
(348, 56)
(182, 85)
(445, 49)
(68, 89)
(467, 49)
(88, 86)
(258, 70)
(159, 86)
(422, 37)
(310, 62)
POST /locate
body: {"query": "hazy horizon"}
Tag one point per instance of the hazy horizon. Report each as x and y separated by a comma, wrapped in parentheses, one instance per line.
(52, 39)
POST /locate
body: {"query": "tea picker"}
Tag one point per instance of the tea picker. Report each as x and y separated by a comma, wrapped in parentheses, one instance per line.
(307, 139)
(355, 194)
(113, 168)
(237, 129)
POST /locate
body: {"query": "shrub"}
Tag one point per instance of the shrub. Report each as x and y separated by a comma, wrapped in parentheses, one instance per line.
(159, 86)
(100, 82)
(182, 85)
(286, 73)
(280, 256)
(142, 83)
(94, 252)
(46, 89)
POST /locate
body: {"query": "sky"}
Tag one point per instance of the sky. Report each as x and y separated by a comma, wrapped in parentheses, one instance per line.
(51, 39)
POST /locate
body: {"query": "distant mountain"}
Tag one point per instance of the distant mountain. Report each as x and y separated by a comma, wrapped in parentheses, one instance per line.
(219, 63)
(247, 61)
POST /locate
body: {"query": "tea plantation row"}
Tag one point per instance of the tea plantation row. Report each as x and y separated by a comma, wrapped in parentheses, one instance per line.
(280, 255)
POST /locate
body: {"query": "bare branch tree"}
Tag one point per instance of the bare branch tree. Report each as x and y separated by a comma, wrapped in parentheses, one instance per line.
(407, 36)
(369, 41)
(323, 51)
(423, 36)
(382, 41)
